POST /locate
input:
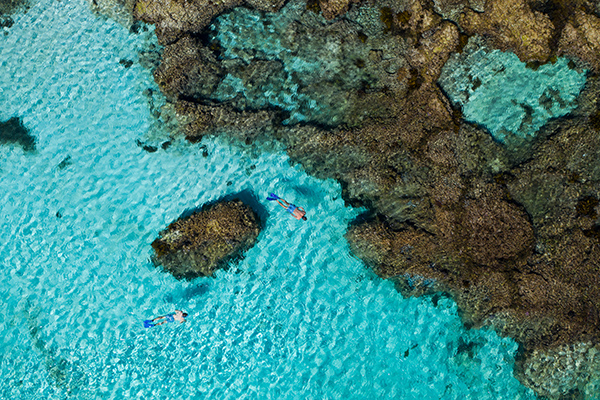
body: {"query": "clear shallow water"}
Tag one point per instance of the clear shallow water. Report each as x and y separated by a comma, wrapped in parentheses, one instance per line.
(497, 90)
(297, 318)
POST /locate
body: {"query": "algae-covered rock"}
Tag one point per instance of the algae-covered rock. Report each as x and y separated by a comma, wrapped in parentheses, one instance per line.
(581, 39)
(199, 244)
(512, 25)
(175, 17)
(567, 371)
(188, 70)
(198, 120)
(333, 8)
(452, 9)
(434, 50)
(8, 7)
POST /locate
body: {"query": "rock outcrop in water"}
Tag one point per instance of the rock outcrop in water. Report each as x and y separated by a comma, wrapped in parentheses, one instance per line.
(199, 244)
(510, 228)
(8, 7)
(512, 25)
(174, 18)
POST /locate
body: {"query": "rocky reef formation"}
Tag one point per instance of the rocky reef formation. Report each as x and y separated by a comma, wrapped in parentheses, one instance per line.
(9, 7)
(119, 10)
(174, 18)
(199, 244)
(502, 213)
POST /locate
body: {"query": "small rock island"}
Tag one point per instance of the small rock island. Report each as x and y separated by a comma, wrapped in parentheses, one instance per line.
(199, 244)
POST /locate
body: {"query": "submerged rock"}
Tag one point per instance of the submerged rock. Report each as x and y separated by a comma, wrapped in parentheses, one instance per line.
(8, 7)
(563, 372)
(118, 10)
(199, 244)
(13, 131)
(581, 39)
(174, 17)
(293, 62)
(512, 25)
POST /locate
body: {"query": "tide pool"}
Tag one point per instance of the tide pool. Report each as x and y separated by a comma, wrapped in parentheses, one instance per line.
(497, 90)
(299, 317)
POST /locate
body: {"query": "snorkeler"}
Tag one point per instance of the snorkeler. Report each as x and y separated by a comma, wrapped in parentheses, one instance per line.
(178, 315)
(297, 212)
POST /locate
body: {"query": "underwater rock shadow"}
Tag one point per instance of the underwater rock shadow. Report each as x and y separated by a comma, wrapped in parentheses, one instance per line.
(188, 293)
(13, 131)
(64, 374)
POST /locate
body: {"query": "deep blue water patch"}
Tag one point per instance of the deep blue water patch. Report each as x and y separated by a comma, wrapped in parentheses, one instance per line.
(497, 90)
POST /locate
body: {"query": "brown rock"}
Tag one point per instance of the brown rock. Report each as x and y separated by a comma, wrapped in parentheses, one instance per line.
(333, 8)
(175, 17)
(417, 18)
(188, 70)
(581, 39)
(201, 243)
(495, 231)
(199, 120)
(512, 25)
(434, 50)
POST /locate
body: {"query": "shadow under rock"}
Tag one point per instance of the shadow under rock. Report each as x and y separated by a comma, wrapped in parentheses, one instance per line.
(187, 294)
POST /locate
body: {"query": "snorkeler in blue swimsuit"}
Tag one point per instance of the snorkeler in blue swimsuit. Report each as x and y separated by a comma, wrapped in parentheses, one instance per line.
(297, 212)
(178, 315)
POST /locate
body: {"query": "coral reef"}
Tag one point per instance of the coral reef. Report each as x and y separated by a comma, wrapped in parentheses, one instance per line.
(118, 10)
(490, 195)
(173, 17)
(512, 25)
(8, 7)
(199, 244)
(581, 39)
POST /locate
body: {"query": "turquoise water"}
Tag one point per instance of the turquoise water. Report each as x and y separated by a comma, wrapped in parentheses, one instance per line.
(497, 90)
(243, 32)
(299, 317)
